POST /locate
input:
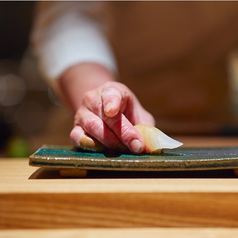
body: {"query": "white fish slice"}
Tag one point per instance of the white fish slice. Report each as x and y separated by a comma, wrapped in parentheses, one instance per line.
(155, 139)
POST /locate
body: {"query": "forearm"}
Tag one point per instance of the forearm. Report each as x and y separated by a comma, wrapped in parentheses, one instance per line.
(66, 34)
(81, 78)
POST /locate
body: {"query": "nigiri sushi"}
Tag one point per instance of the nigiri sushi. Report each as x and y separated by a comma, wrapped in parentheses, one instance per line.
(155, 139)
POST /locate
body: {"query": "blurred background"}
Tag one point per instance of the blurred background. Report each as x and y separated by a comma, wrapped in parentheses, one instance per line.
(31, 116)
(26, 103)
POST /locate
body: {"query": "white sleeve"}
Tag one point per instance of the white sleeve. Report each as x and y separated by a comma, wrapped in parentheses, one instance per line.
(65, 34)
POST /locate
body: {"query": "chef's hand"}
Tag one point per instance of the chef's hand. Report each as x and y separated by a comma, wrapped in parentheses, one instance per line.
(104, 109)
(108, 113)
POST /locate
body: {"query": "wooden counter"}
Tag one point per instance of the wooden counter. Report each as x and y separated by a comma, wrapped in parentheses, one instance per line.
(38, 202)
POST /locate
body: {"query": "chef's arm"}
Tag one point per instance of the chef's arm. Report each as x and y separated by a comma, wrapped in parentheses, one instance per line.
(76, 59)
(68, 40)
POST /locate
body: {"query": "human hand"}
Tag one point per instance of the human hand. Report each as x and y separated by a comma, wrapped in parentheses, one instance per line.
(108, 114)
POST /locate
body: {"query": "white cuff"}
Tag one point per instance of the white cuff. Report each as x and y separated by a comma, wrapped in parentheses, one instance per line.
(70, 40)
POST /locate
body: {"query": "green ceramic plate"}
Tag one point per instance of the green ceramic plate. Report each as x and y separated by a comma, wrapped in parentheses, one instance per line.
(206, 158)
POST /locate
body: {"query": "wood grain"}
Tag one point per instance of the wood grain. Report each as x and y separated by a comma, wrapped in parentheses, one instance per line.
(114, 210)
(17, 177)
(35, 198)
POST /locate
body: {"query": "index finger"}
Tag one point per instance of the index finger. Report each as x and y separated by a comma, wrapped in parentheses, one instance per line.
(126, 132)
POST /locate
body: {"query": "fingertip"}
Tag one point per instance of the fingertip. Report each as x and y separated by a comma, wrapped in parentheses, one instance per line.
(136, 146)
(111, 109)
(111, 102)
(108, 108)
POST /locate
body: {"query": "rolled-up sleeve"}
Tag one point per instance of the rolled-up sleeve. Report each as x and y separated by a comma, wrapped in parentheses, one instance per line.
(65, 34)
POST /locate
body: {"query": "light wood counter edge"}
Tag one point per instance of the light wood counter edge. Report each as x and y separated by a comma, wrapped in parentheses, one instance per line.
(123, 232)
(15, 174)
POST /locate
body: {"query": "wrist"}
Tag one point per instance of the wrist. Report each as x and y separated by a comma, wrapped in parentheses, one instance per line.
(81, 78)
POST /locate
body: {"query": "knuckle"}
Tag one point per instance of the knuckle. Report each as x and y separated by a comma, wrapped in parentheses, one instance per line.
(127, 134)
(77, 118)
(98, 108)
(88, 96)
(92, 125)
(93, 102)
(109, 84)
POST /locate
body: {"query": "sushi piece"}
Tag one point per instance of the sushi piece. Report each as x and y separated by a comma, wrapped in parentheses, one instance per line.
(155, 139)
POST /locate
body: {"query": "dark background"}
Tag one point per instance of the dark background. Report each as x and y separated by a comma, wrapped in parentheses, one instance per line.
(15, 25)
(23, 123)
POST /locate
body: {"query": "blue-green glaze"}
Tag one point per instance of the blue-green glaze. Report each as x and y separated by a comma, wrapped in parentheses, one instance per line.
(176, 159)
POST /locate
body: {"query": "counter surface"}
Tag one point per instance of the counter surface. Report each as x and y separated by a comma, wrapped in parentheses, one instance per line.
(38, 198)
